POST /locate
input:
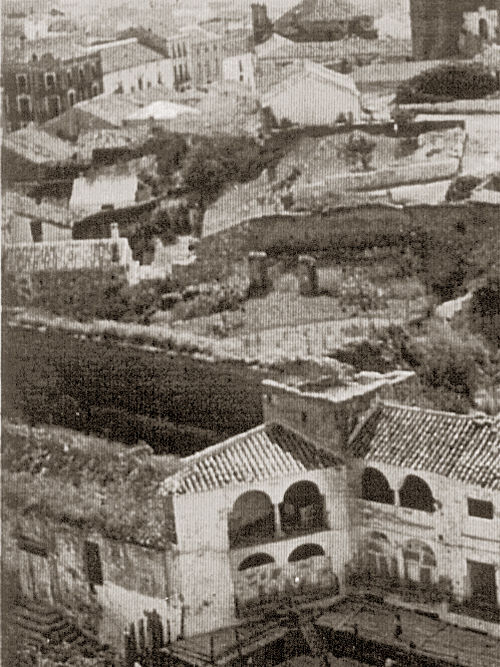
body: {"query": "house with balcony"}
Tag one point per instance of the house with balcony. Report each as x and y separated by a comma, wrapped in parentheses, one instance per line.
(346, 488)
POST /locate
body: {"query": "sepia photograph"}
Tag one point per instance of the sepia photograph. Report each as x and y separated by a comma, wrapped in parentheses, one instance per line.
(250, 371)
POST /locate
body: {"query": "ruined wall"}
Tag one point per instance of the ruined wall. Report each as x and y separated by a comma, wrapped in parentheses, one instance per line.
(135, 578)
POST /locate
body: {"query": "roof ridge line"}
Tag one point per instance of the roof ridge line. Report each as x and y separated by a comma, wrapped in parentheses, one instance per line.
(447, 413)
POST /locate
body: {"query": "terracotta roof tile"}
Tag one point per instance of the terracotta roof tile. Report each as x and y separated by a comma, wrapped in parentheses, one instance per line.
(268, 451)
(465, 448)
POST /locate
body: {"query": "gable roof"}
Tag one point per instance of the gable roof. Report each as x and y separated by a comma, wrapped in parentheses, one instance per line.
(126, 55)
(14, 204)
(306, 69)
(464, 448)
(268, 451)
(37, 146)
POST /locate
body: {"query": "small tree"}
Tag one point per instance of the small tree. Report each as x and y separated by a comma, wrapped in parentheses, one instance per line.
(204, 174)
(359, 149)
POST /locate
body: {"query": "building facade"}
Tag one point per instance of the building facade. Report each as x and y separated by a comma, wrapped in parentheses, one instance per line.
(128, 66)
(344, 489)
(444, 28)
(43, 79)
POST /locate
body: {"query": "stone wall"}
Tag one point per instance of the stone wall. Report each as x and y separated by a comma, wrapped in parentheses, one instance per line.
(104, 255)
(135, 579)
(315, 573)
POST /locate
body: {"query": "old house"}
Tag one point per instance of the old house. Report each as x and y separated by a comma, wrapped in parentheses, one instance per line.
(25, 221)
(239, 59)
(445, 28)
(128, 66)
(93, 193)
(344, 488)
(310, 94)
(45, 77)
(30, 154)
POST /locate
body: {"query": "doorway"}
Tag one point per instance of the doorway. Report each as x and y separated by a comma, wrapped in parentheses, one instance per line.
(483, 586)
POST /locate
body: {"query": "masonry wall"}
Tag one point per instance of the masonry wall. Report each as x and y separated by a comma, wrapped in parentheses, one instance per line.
(454, 537)
(135, 578)
(323, 420)
(154, 73)
(209, 567)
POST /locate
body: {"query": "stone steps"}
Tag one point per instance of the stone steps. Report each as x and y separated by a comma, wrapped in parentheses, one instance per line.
(42, 627)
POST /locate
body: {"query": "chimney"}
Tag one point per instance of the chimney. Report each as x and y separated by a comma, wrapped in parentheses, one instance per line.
(329, 409)
(262, 26)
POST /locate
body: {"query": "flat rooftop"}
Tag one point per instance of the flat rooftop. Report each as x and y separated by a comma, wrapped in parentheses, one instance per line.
(337, 389)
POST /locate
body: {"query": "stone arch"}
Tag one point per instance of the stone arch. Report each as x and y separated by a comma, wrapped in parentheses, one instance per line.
(375, 487)
(306, 551)
(484, 31)
(255, 560)
(251, 520)
(302, 509)
(416, 494)
(419, 562)
(376, 554)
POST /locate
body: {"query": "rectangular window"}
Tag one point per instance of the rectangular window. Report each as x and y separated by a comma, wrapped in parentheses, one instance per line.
(92, 563)
(69, 76)
(36, 230)
(480, 508)
(24, 107)
(22, 83)
(50, 81)
(30, 545)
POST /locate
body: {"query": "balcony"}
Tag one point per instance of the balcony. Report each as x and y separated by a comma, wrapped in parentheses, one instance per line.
(480, 607)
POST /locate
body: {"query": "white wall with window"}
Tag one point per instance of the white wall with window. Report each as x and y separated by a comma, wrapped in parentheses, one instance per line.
(146, 75)
(240, 68)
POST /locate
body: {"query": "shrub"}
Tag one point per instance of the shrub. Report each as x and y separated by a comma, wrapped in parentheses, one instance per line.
(461, 188)
(359, 149)
(485, 307)
(455, 81)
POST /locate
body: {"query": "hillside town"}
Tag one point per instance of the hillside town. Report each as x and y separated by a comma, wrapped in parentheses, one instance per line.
(250, 333)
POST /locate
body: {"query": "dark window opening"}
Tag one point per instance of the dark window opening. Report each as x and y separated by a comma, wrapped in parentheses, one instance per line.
(305, 551)
(302, 509)
(484, 31)
(416, 494)
(419, 562)
(92, 564)
(32, 546)
(22, 83)
(251, 520)
(303, 417)
(255, 560)
(480, 508)
(483, 587)
(50, 81)
(25, 108)
(36, 230)
(71, 98)
(375, 487)
(140, 83)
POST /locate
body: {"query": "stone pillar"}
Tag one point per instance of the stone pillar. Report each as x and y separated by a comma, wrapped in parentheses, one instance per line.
(115, 233)
(278, 532)
(308, 276)
(257, 271)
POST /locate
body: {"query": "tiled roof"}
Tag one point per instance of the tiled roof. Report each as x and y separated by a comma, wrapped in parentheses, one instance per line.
(37, 146)
(262, 453)
(18, 205)
(63, 48)
(305, 69)
(461, 447)
(125, 56)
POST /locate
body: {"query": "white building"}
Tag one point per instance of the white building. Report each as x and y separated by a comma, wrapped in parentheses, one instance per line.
(239, 61)
(129, 67)
(310, 94)
(92, 194)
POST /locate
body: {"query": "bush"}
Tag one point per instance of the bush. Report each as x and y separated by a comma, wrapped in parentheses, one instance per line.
(461, 188)
(448, 82)
(485, 307)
